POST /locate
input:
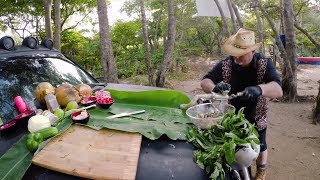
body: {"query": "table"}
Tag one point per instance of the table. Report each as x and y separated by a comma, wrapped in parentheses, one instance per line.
(159, 159)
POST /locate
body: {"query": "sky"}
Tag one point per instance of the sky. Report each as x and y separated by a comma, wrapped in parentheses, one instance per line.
(114, 11)
(114, 14)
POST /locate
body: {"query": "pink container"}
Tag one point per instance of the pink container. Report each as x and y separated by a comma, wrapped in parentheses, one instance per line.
(20, 103)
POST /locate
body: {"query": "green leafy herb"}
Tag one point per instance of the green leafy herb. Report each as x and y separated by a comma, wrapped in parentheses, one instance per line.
(217, 146)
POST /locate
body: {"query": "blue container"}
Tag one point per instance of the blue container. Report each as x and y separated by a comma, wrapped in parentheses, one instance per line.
(283, 39)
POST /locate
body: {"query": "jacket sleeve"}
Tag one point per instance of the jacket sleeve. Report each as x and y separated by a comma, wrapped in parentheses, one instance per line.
(215, 74)
(271, 74)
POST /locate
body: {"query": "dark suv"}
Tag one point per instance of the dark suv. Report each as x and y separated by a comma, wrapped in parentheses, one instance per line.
(23, 67)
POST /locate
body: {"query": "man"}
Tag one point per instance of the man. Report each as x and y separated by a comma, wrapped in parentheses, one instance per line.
(254, 75)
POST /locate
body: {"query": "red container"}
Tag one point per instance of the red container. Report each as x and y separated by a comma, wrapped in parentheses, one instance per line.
(23, 118)
(88, 101)
(105, 103)
(81, 120)
(8, 127)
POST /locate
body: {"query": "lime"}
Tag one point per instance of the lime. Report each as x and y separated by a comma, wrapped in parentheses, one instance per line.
(71, 105)
(59, 113)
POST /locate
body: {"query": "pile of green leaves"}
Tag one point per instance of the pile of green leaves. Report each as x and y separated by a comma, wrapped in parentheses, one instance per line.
(216, 147)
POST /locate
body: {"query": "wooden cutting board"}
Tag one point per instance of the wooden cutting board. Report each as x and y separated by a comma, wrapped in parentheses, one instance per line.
(84, 152)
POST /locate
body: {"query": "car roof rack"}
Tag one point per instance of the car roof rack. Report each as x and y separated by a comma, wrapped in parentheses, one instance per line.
(29, 44)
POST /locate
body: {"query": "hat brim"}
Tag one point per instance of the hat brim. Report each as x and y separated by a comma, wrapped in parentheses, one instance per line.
(230, 49)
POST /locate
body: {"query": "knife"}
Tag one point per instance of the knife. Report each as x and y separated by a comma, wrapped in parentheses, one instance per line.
(125, 114)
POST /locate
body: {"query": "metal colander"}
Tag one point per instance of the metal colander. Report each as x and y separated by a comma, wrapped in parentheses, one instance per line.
(206, 115)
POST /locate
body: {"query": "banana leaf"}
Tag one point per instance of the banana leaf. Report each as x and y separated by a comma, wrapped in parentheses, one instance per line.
(162, 98)
(155, 122)
(162, 115)
(16, 161)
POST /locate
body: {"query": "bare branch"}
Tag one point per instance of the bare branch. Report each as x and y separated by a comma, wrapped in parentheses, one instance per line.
(72, 27)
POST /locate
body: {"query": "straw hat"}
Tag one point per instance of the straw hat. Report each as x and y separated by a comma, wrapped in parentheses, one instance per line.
(240, 43)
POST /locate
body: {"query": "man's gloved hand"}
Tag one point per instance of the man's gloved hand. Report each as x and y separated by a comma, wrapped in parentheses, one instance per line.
(221, 86)
(252, 93)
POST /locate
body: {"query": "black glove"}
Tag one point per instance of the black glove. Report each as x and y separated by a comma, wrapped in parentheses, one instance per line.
(221, 86)
(252, 93)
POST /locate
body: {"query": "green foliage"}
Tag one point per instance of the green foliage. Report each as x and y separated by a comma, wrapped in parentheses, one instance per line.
(27, 15)
(83, 50)
(126, 35)
(216, 147)
(131, 62)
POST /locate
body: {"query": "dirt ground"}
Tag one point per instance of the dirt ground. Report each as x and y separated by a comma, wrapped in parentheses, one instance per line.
(293, 141)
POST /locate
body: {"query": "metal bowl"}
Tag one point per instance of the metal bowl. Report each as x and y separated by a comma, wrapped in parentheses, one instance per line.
(245, 156)
(206, 115)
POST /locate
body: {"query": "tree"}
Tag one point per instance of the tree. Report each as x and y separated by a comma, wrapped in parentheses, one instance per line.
(260, 28)
(106, 51)
(57, 23)
(237, 13)
(287, 69)
(291, 86)
(168, 45)
(234, 24)
(47, 17)
(224, 20)
(156, 28)
(146, 43)
(29, 17)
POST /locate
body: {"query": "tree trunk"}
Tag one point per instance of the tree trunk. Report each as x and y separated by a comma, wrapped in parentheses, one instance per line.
(168, 45)
(236, 11)
(106, 51)
(155, 39)
(290, 48)
(219, 42)
(316, 109)
(234, 23)
(260, 33)
(146, 43)
(287, 76)
(277, 57)
(281, 18)
(224, 20)
(57, 25)
(47, 17)
(314, 42)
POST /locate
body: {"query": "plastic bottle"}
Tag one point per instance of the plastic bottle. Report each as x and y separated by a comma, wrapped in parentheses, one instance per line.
(51, 101)
(20, 104)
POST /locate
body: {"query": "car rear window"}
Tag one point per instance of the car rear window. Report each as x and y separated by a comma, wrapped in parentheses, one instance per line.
(21, 76)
